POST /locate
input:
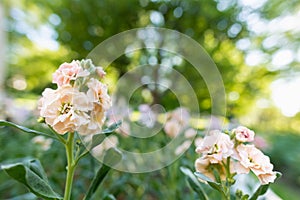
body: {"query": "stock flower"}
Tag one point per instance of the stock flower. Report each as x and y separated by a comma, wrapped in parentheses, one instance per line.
(65, 108)
(190, 133)
(244, 134)
(183, 147)
(181, 115)
(101, 73)
(172, 128)
(97, 93)
(204, 166)
(45, 143)
(216, 146)
(95, 123)
(109, 142)
(68, 72)
(251, 158)
(147, 116)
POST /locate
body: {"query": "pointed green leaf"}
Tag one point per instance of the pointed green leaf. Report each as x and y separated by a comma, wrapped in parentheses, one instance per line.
(202, 177)
(25, 129)
(111, 158)
(31, 174)
(216, 175)
(218, 187)
(262, 189)
(194, 183)
(112, 127)
(98, 139)
(109, 197)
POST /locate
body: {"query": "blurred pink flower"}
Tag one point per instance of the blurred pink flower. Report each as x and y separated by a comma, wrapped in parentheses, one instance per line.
(244, 134)
(181, 115)
(172, 128)
(260, 142)
(253, 159)
(216, 146)
(190, 133)
(45, 143)
(147, 116)
(68, 72)
(183, 147)
(111, 141)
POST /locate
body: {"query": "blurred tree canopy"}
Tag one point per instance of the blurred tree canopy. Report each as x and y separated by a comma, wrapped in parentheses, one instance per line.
(76, 27)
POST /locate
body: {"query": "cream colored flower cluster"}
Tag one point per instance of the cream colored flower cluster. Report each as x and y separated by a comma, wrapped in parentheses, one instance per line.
(218, 148)
(80, 101)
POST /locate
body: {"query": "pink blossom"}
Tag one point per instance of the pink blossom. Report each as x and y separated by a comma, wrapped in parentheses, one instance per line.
(68, 72)
(204, 166)
(244, 134)
(253, 159)
(190, 133)
(183, 147)
(97, 93)
(43, 142)
(109, 142)
(181, 115)
(64, 109)
(260, 142)
(267, 178)
(216, 146)
(101, 73)
(172, 128)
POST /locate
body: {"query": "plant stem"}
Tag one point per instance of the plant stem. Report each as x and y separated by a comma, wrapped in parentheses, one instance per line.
(69, 145)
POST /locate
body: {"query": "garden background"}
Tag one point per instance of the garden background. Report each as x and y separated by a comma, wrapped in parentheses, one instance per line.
(255, 45)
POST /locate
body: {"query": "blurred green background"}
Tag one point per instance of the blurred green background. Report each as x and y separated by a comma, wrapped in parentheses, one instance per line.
(254, 43)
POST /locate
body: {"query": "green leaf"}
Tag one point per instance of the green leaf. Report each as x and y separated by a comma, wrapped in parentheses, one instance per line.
(109, 197)
(216, 186)
(98, 139)
(32, 175)
(262, 189)
(216, 175)
(111, 158)
(202, 177)
(112, 127)
(194, 183)
(25, 129)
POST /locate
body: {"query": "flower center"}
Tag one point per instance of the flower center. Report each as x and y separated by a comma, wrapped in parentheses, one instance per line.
(65, 108)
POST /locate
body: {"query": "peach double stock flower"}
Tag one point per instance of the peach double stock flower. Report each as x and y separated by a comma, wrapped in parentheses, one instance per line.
(251, 158)
(80, 101)
(244, 134)
(217, 147)
(68, 72)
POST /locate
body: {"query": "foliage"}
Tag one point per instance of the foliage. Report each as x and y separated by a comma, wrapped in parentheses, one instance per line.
(98, 20)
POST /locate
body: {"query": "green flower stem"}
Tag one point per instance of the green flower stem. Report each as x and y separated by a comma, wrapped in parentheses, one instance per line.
(58, 136)
(227, 184)
(71, 165)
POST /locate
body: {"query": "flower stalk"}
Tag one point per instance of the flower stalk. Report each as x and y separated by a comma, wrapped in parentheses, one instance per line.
(71, 165)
